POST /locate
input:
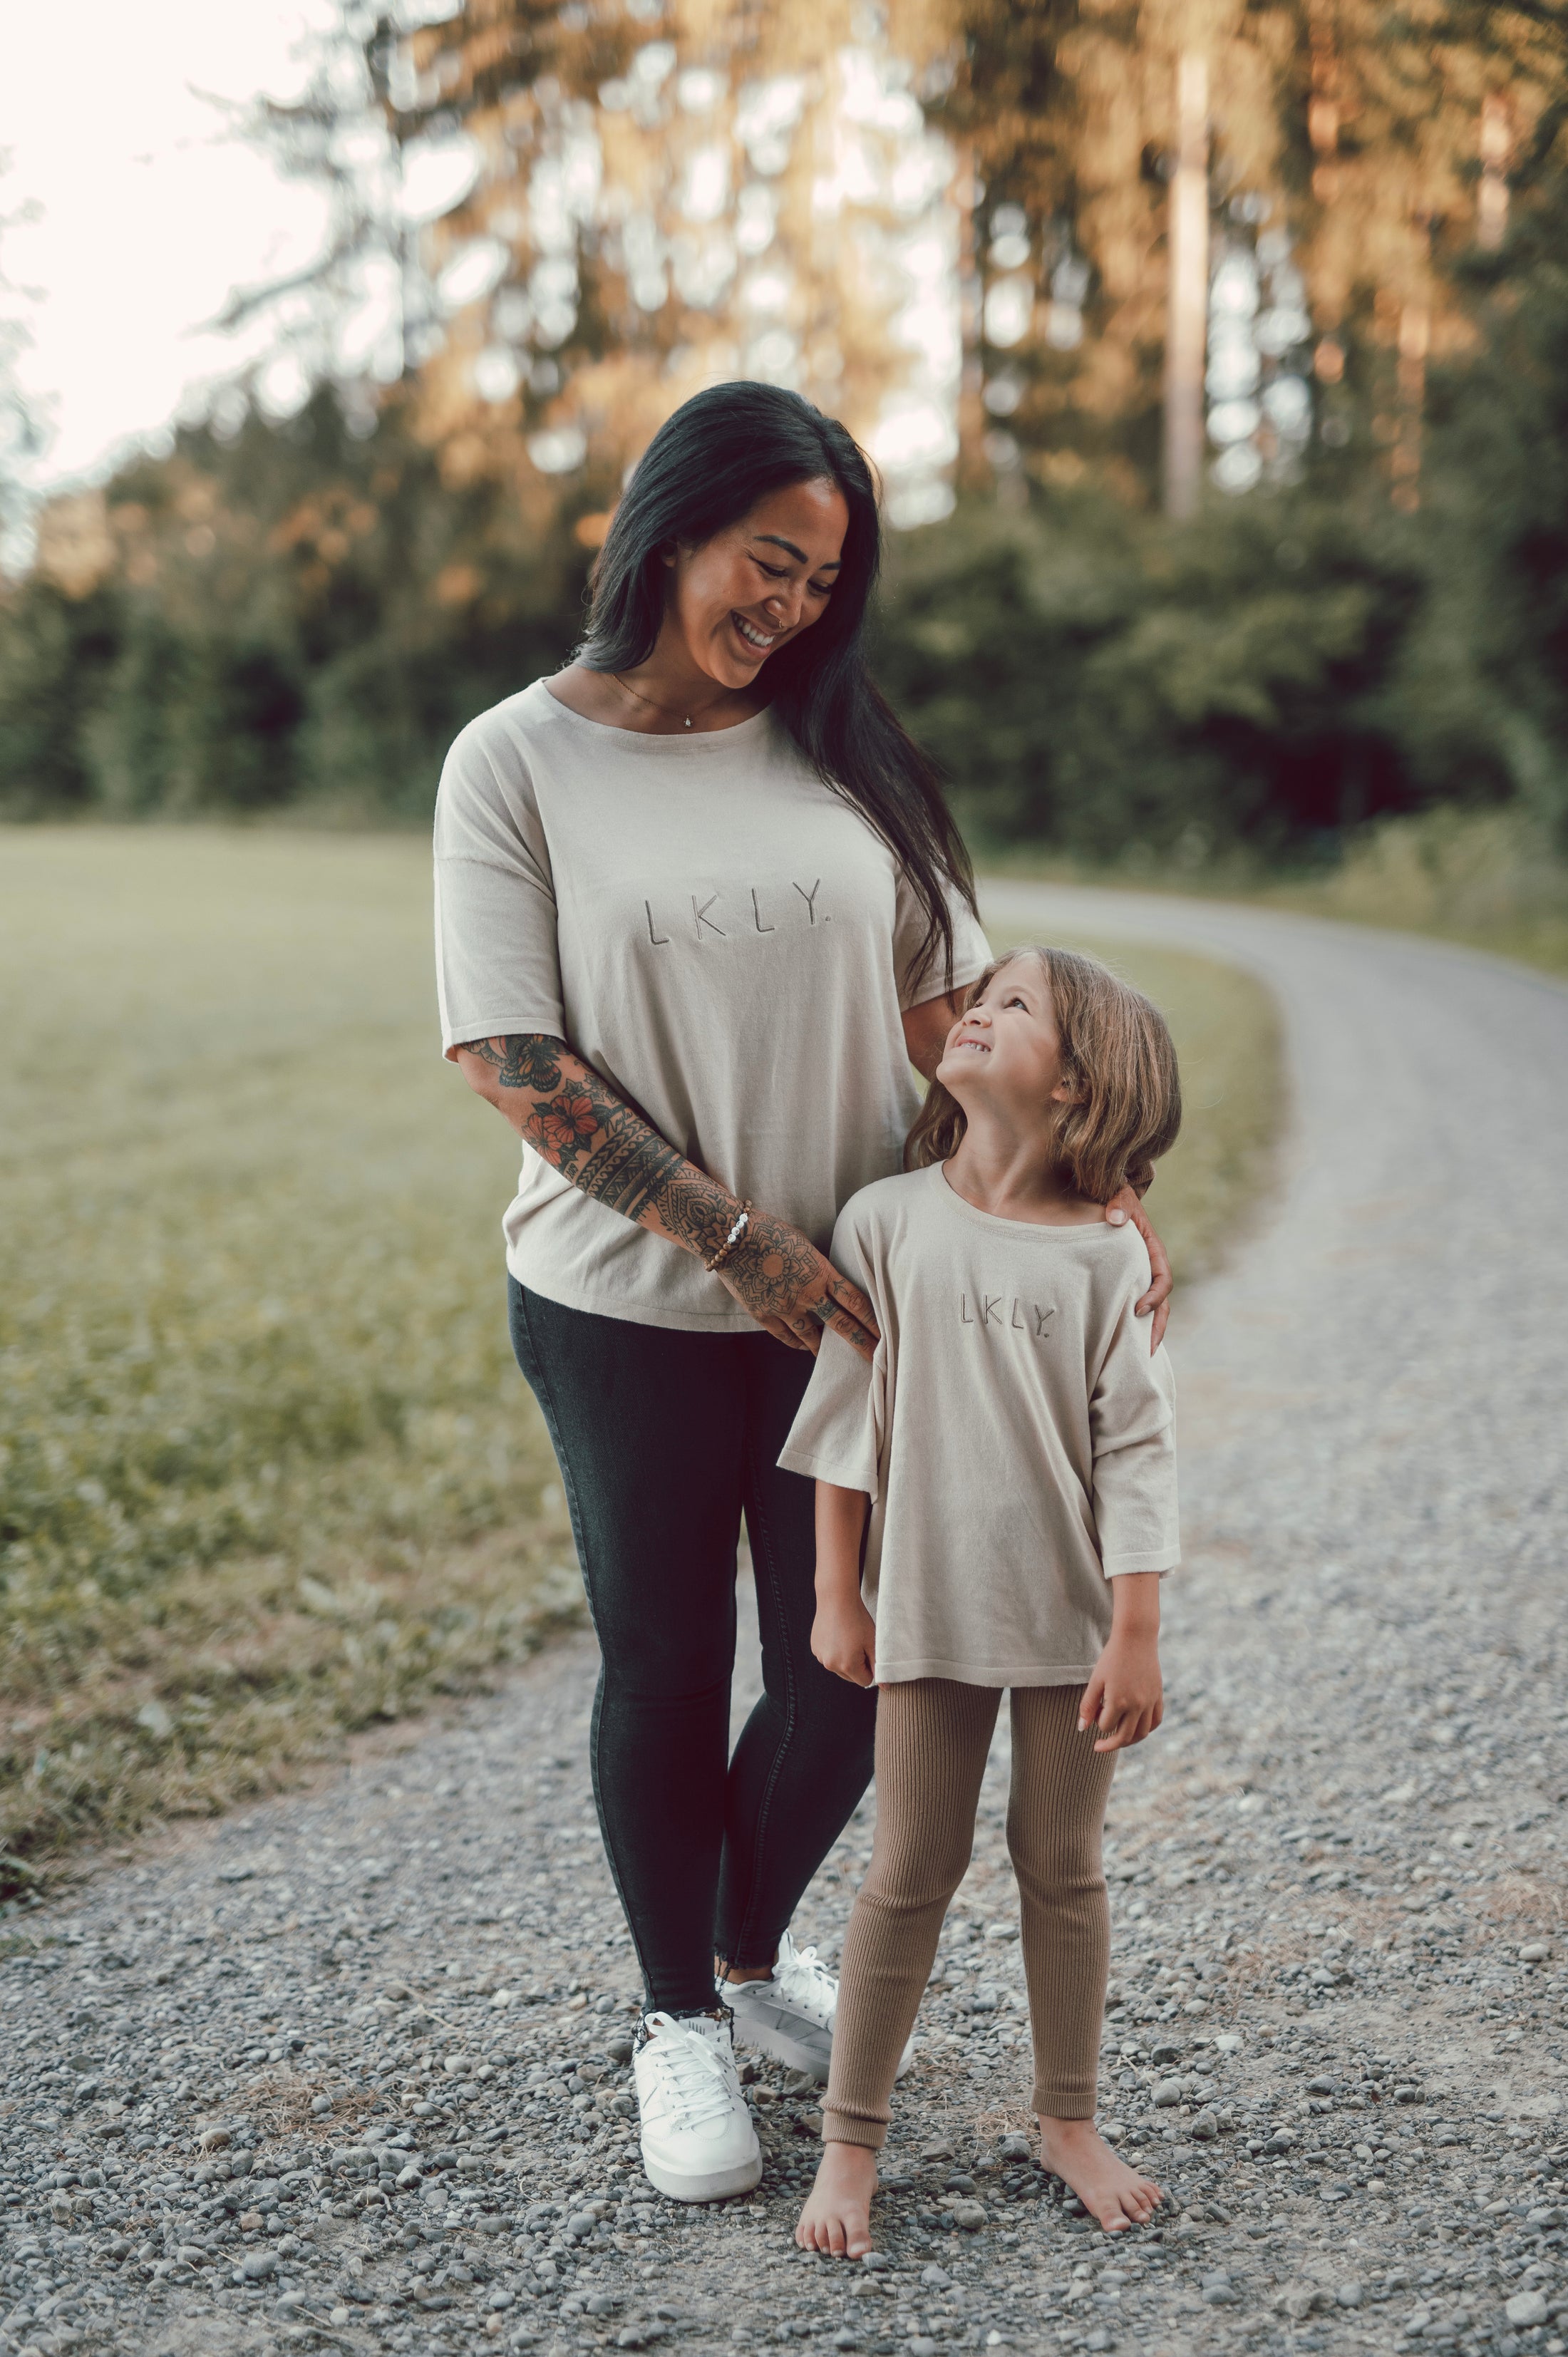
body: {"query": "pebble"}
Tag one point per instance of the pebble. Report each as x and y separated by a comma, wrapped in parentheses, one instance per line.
(1357, 1412)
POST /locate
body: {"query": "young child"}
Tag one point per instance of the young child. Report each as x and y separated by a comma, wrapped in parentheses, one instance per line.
(995, 1505)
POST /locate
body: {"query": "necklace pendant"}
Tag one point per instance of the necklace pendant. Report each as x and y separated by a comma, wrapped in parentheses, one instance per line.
(688, 720)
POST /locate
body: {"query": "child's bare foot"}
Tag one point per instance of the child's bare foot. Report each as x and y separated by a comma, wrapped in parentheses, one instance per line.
(1117, 2195)
(837, 2215)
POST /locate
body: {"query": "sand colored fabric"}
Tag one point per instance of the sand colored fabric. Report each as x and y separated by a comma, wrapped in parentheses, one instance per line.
(718, 934)
(932, 1739)
(1015, 1435)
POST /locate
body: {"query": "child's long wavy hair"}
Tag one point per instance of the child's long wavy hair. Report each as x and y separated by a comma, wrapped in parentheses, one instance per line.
(1118, 1060)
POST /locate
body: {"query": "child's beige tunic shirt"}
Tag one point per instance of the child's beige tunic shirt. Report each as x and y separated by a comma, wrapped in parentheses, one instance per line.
(1014, 1434)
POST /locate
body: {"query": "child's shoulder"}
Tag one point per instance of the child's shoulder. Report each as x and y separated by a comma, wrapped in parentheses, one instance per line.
(1124, 1257)
(887, 1203)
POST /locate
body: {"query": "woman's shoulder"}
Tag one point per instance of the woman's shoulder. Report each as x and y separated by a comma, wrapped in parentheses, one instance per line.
(505, 730)
(487, 778)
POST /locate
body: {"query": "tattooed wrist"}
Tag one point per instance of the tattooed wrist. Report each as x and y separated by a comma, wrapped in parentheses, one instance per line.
(696, 1210)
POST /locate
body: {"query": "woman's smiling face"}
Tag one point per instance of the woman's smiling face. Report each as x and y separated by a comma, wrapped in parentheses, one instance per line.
(1006, 1044)
(741, 595)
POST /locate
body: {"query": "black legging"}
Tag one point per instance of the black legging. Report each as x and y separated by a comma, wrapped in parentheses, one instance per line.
(664, 1440)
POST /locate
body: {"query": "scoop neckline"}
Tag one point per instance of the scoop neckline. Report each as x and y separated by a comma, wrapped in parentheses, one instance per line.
(639, 742)
(1027, 1227)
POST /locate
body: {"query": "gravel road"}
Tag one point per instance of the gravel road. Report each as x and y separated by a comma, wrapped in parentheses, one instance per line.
(347, 2071)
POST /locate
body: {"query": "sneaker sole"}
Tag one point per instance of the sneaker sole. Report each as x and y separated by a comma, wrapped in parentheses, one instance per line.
(717, 2185)
(764, 2038)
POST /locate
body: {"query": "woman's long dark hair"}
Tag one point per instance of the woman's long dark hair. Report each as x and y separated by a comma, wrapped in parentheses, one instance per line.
(705, 469)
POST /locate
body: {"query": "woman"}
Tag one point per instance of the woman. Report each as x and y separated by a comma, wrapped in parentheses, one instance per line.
(699, 906)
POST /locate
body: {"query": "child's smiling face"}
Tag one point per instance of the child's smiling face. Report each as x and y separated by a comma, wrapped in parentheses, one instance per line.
(1004, 1050)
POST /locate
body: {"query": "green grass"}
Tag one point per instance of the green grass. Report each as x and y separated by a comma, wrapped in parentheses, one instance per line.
(1490, 879)
(267, 1471)
(1485, 877)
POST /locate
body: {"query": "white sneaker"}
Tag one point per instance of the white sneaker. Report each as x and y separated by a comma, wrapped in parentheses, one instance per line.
(791, 2015)
(698, 2142)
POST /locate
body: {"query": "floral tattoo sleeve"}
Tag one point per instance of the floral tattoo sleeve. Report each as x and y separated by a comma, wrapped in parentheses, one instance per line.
(603, 1144)
(608, 1147)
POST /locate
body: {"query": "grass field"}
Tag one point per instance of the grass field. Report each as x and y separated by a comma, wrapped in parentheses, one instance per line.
(267, 1472)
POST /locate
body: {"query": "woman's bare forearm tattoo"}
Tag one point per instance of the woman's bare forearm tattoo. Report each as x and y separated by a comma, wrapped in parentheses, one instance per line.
(526, 1061)
(608, 1148)
(605, 1146)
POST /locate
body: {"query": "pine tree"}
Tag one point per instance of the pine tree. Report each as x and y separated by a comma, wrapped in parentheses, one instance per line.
(712, 193)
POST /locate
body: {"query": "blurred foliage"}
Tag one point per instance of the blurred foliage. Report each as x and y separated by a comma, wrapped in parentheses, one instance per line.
(1293, 664)
(1489, 877)
(290, 613)
(1359, 126)
(1092, 678)
(301, 615)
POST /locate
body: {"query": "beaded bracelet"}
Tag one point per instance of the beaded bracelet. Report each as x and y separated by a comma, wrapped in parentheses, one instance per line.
(731, 1241)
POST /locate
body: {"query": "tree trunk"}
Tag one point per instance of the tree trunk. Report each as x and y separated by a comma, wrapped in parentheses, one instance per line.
(1188, 314)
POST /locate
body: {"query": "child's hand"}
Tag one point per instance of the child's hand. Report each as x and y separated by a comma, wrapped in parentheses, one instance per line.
(843, 1638)
(1126, 1695)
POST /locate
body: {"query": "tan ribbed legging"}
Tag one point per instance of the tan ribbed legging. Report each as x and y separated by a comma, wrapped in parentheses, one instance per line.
(932, 1739)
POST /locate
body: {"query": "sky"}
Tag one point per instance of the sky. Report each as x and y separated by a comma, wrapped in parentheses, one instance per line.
(149, 210)
(142, 210)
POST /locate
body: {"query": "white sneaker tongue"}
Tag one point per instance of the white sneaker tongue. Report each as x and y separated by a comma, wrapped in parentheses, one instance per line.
(717, 2033)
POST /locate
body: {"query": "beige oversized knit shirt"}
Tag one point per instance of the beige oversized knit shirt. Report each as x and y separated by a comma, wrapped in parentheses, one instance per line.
(721, 936)
(1014, 1434)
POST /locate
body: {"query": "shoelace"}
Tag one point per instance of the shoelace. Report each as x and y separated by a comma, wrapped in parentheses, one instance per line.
(805, 1981)
(692, 2071)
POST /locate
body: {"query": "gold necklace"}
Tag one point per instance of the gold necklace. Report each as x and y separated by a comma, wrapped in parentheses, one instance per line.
(664, 708)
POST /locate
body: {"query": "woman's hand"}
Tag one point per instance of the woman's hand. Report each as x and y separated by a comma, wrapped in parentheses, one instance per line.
(1121, 1208)
(793, 1290)
(843, 1638)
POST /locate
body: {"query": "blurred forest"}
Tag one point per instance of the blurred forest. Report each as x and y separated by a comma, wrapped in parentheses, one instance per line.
(951, 222)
